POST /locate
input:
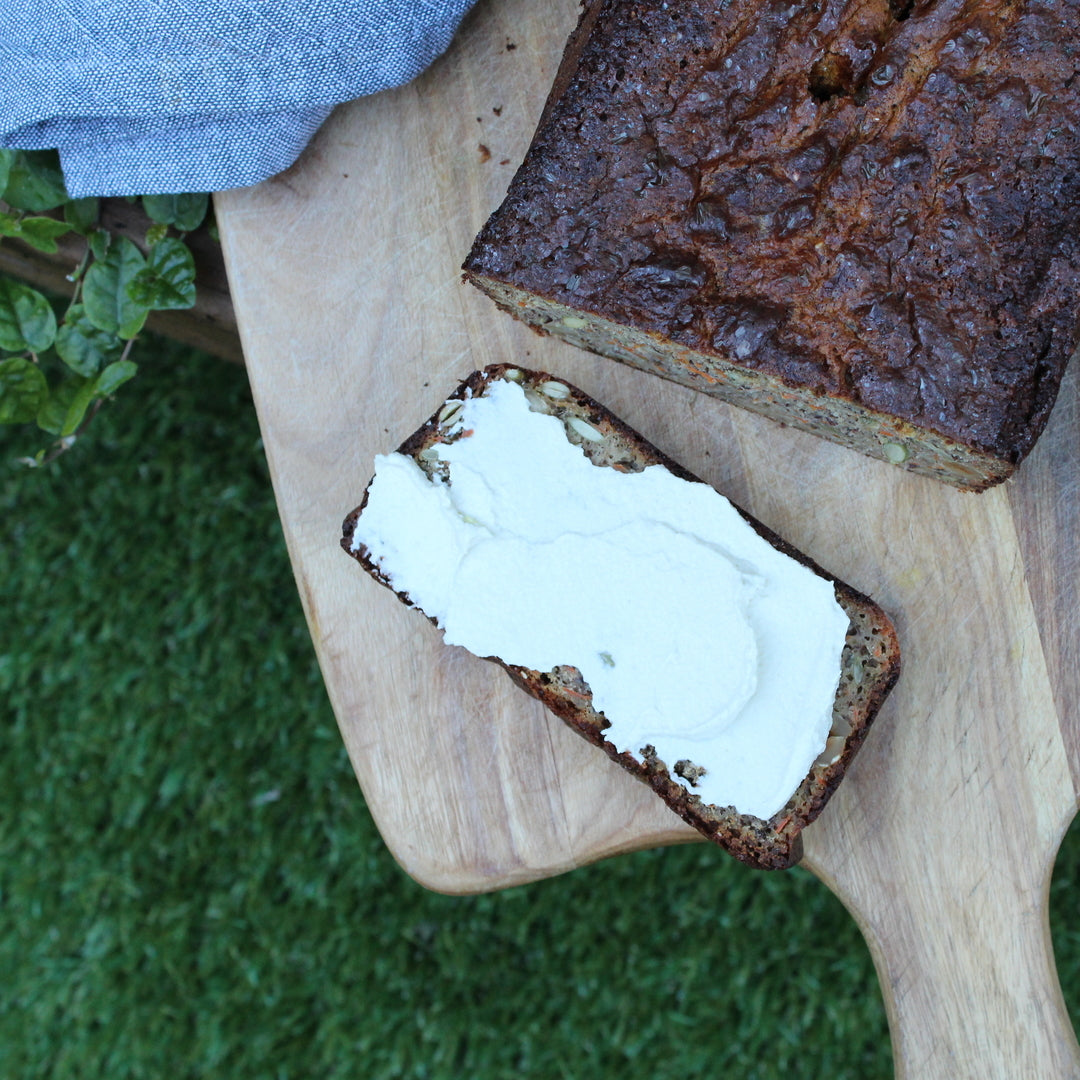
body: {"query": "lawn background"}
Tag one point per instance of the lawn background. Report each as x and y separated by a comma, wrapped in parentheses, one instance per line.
(191, 886)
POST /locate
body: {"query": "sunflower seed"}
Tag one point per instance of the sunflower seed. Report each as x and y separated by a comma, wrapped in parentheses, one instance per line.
(584, 430)
(450, 413)
(557, 390)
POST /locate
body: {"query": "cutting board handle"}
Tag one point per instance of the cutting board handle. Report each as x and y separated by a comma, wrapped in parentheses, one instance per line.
(969, 981)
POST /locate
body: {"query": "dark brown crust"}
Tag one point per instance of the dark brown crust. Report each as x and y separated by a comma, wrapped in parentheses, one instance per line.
(876, 201)
(871, 659)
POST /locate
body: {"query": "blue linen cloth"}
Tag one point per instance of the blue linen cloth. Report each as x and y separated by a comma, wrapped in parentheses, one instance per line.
(145, 97)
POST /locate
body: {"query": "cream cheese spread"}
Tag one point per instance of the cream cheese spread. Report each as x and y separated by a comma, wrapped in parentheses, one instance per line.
(695, 635)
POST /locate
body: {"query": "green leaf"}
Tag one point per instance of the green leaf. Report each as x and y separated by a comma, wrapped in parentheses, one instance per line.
(82, 346)
(168, 279)
(109, 305)
(35, 182)
(100, 241)
(184, 212)
(6, 158)
(63, 411)
(38, 232)
(26, 318)
(41, 232)
(65, 408)
(155, 234)
(114, 376)
(82, 214)
(22, 390)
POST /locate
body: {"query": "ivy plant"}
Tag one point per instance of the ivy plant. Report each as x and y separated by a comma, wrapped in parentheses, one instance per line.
(58, 367)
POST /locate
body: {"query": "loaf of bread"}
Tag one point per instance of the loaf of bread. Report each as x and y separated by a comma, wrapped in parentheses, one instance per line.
(644, 631)
(858, 217)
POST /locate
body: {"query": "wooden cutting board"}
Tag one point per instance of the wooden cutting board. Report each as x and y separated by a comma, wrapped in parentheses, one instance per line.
(355, 325)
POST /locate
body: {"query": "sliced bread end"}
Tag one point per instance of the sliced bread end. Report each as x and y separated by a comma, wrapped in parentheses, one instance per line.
(870, 662)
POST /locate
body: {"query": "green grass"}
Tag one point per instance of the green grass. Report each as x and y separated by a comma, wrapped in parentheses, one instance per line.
(191, 886)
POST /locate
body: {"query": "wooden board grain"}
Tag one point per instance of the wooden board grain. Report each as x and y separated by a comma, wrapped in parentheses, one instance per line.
(355, 325)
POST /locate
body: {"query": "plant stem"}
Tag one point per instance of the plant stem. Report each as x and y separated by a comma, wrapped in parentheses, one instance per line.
(76, 277)
(61, 446)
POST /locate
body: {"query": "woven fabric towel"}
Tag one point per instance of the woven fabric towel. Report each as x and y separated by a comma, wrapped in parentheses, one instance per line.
(149, 97)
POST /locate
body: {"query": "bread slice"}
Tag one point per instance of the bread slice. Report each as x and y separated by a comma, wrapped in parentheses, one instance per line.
(870, 661)
(859, 219)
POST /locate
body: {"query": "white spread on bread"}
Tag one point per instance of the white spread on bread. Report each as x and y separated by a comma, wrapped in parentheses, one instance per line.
(696, 636)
